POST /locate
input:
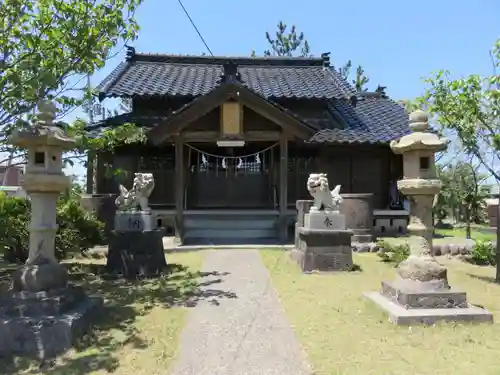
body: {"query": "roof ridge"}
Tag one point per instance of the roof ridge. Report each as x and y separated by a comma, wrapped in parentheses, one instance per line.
(338, 79)
(132, 55)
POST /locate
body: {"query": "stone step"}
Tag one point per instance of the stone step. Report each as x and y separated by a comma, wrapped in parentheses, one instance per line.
(230, 233)
(229, 223)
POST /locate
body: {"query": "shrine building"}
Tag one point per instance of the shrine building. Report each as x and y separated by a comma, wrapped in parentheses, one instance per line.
(232, 140)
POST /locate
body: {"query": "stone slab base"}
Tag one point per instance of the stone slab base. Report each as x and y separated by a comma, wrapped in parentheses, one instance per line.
(47, 336)
(431, 299)
(136, 254)
(323, 250)
(325, 262)
(401, 316)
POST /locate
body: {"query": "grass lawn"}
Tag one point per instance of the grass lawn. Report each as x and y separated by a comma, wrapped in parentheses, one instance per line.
(460, 233)
(139, 328)
(343, 333)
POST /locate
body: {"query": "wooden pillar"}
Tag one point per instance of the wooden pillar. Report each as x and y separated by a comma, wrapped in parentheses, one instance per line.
(105, 183)
(179, 188)
(283, 186)
(90, 172)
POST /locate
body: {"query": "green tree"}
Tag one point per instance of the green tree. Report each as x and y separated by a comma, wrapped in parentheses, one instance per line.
(470, 108)
(360, 79)
(292, 43)
(48, 46)
(463, 194)
(287, 43)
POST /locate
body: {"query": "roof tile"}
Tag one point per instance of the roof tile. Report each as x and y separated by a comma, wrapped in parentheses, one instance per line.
(371, 120)
(151, 75)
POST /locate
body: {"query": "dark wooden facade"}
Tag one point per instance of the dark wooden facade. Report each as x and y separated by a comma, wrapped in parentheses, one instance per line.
(295, 116)
(192, 173)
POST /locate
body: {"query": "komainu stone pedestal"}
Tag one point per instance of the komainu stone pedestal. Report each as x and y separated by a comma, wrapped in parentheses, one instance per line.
(322, 248)
(42, 316)
(134, 251)
(421, 294)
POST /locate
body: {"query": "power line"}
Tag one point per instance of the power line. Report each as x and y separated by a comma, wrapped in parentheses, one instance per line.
(194, 25)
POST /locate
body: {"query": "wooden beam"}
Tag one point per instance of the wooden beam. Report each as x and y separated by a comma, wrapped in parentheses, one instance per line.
(179, 187)
(213, 136)
(283, 188)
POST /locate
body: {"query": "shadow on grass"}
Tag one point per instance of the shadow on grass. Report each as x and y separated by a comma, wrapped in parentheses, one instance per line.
(125, 301)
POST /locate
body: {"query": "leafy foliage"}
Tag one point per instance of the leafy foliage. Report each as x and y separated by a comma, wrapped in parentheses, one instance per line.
(470, 108)
(462, 194)
(483, 253)
(391, 253)
(289, 43)
(47, 47)
(14, 221)
(286, 43)
(360, 80)
(77, 232)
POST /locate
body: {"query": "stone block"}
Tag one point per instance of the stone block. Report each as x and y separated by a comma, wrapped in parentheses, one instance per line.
(432, 299)
(324, 220)
(35, 332)
(399, 225)
(382, 225)
(39, 276)
(52, 302)
(323, 250)
(400, 315)
(136, 254)
(135, 221)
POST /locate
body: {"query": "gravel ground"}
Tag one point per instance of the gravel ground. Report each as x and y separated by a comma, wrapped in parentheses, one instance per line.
(239, 326)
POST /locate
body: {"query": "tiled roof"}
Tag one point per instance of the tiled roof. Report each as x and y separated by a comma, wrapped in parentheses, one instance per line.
(170, 75)
(371, 120)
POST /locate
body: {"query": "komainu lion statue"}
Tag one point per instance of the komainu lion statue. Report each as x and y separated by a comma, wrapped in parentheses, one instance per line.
(143, 186)
(324, 199)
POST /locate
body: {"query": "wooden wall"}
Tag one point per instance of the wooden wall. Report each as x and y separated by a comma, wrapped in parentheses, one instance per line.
(359, 169)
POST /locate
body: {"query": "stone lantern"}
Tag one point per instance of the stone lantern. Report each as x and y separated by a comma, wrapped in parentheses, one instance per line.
(41, 312)
(421, 293)
(44, 179)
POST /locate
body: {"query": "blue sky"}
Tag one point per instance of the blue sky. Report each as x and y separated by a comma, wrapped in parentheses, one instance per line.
(396, 42)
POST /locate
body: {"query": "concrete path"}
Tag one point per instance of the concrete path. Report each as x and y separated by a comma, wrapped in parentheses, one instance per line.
(239, 326)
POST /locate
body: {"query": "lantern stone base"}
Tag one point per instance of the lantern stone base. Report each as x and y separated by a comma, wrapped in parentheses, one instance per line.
(421, 294)
(399, 314)
(136, 254)
(323, 250)
(46, 323)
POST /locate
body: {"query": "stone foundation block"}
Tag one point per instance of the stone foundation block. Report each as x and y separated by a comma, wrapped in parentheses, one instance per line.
(136, 254)
(433, 299)
(410, 302)
(323, 250)
(45, 336)
(400, 315)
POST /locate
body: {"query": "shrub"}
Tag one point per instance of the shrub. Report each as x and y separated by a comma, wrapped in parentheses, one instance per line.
(391, 253)
(483, 253)
(77, 231)
(14, 221)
